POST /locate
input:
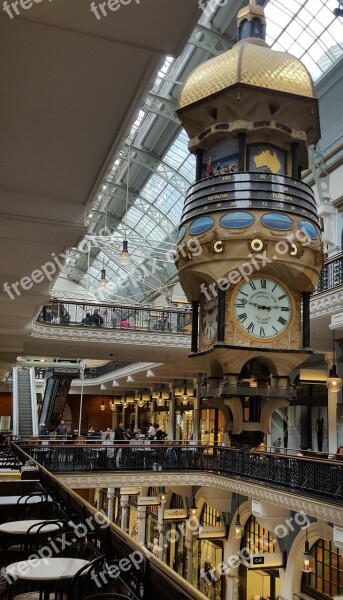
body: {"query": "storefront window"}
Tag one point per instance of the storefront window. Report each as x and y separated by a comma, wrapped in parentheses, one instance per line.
(183, 424)
(327, 577)
(211, 426)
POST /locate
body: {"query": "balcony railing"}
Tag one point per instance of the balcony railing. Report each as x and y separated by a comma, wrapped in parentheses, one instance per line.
(117, 317)
(319, 478)
(331, 276)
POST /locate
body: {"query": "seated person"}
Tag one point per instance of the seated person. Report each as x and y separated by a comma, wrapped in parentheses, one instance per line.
(87, 319)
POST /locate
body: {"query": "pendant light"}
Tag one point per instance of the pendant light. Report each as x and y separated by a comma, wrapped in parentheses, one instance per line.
(102, 406)
(185, 397)
(333, 382)
(307, 558)
(238, 529)
(160, 400)
(125, 255)
(140, 402)
(103, 280)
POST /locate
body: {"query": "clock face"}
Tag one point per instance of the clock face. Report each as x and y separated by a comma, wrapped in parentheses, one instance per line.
(209, 318)
(262, 308)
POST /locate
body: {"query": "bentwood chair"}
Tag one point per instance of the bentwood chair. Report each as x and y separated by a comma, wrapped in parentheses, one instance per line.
(107, 596)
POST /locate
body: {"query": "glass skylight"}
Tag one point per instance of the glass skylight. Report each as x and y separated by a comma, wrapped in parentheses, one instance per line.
(310, 31)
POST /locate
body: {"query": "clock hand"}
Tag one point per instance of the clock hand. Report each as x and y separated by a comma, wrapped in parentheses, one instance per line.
(260, 306)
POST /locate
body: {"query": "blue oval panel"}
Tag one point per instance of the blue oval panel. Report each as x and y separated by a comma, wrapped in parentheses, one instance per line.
(201, 225)
(181, 233)
(309, 229)
(277, 221)
(237, 219)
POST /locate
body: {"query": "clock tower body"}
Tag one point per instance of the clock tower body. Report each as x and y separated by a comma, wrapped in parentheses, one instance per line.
(250, 114)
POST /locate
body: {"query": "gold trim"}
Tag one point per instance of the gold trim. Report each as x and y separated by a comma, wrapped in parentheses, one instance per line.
(244, 331)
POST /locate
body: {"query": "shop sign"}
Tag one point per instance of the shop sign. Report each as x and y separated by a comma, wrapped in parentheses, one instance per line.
(207, 532)
(175, 513)
(148, 500)
(266, 560)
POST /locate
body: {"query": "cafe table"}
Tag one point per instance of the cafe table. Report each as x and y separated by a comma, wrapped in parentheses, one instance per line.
(22, 527)
(12, 500)
(45, 574)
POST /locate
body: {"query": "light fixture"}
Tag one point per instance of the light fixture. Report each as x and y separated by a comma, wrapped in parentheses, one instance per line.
(129, 379)
(112, 405)
(333, 382)
(124, 402)
(185, 397)
(160, 400)
(102, 387)
(256, 245)
(150, 373)
(124, 255)
(103, 281)
(307, 558)
(102, 405)
(163, 497)
(192, 511)
(140, 401)
(115, 383)
(238, 529)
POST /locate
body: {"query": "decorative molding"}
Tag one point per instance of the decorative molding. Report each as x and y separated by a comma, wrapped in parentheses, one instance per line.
(328, 303)
(314, 508)
(110, 336)
(117, 374)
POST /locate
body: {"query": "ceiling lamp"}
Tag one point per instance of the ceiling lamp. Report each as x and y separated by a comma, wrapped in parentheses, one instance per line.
(333, 382)
(150, 373)
(103, 281)
(192, 511)
(140, 401)
(124, 255)
(124, 402)
(163, 497)
(130, 379)
(307, 558)
(102, 405)
(115, 383)
(112, 406)
(238, 529)
(160, 399)
(185, 397)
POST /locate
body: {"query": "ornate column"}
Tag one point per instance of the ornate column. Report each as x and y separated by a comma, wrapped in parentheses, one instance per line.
(110, 502)
(141, 514)
(332, 412)
(124, 503)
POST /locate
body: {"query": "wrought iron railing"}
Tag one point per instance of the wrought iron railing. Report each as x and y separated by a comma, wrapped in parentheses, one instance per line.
(332, 274)
(116, 317)
(312, 477)
(143, 575)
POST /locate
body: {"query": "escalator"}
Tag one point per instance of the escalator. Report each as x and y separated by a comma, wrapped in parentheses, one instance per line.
(57, 385)
(25, 419)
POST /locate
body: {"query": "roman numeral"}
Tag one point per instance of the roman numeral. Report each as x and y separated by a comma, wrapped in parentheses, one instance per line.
(244, 294)
(276, 331)
(251, 283)
(262, 332)
(242, 317)
(274, 287)
(285, 308)
(282, 321)
(282, 297)
(250, 327)
(241, 303)
(263, 284)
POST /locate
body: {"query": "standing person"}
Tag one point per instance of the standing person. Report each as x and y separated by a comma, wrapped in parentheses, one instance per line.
(151, 432)
(320, 430)
(96, 319)
(119, 438)
(61, 429)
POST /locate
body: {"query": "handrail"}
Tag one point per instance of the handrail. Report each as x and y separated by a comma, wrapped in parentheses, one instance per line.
(33, 398)
(331, 275)
(160, 582)
(310, 476)
(15, 402)
(141, 318)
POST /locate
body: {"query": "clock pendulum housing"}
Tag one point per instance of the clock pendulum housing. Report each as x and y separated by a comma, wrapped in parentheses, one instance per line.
(250, 114)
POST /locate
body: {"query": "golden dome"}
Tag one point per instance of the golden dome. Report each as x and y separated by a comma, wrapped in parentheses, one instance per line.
(251, 62)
